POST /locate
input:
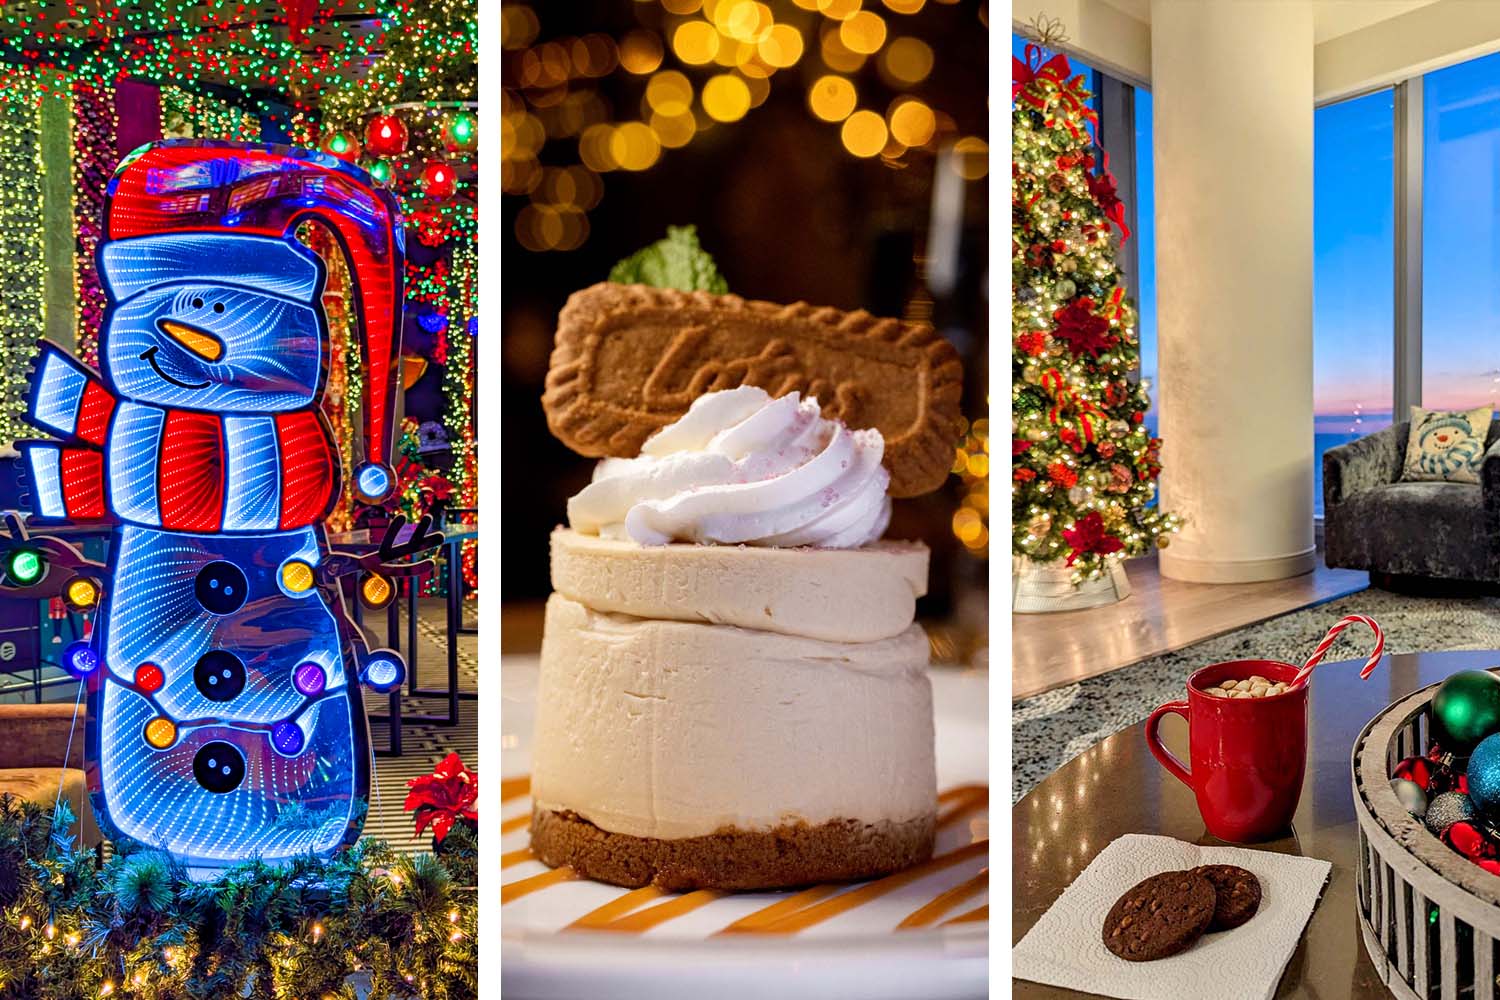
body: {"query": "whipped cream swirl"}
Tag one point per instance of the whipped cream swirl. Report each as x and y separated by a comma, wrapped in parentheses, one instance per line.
(741, 468)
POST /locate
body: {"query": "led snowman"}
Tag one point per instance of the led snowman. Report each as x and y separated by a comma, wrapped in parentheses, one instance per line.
(224, 718)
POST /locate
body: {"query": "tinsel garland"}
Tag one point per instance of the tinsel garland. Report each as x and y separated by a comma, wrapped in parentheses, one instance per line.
(138, 928)
(22, 261)
(93, 163)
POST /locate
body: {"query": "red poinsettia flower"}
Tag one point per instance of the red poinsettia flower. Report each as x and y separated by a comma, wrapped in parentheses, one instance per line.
(442, 798)
(1019, 447)
(1032, 344)
(1082, 329)
(1062, 475)
(1088, 536)
(1024, 475)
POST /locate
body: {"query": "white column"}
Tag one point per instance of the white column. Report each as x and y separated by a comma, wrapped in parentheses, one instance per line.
(1232, 84)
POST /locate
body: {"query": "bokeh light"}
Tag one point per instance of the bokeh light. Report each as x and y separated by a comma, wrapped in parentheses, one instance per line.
(971, 157)
(905, 61)
(832, 98)
(782, 47)
(640, 52)
(905, 6)
(674, 131)
(518, 26)
(670, 93)
(726, 97)
(836, 55)
(695, 42)
(838, 9)
(635, 146)
(912, 123)
(864, 134)
(864, 33)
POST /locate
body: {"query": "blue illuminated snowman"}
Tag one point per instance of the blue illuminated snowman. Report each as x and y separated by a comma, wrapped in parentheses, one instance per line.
(224, 720)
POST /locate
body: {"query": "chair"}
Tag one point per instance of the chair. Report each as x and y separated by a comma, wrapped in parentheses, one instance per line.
(1436, 530)
(32, 756)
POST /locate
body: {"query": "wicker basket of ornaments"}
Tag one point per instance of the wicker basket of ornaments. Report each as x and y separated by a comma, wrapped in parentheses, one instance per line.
(1426, 777)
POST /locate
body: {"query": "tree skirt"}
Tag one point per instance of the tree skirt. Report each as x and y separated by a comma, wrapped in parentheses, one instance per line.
(1052, 728)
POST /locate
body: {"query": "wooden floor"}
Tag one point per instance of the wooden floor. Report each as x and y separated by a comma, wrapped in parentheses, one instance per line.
(1159, 616)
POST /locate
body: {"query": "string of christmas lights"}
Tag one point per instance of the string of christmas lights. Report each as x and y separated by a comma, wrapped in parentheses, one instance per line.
(94, 124)
(22, 267)
(1084, 465)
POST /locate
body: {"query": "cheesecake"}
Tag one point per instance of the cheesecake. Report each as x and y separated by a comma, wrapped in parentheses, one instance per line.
(733, 689)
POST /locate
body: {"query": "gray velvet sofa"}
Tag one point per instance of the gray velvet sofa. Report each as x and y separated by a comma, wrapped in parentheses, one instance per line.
(1373, 521)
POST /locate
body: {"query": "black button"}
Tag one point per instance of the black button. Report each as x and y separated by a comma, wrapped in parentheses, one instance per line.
(219, 767)
(221, 587)
(220, 675)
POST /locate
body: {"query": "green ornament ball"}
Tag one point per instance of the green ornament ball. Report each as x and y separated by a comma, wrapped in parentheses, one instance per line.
(1465, 710)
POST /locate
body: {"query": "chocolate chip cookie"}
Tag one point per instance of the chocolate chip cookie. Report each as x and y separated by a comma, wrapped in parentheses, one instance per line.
(1237, 892)
(1160, 917)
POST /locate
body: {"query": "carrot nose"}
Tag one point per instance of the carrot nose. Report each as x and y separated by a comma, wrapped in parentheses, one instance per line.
(205, 345)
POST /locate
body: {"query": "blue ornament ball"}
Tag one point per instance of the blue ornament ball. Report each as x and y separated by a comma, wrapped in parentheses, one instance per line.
(1484, 775)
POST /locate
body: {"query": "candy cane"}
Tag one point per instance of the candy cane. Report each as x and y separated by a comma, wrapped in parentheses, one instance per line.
(1333, 633)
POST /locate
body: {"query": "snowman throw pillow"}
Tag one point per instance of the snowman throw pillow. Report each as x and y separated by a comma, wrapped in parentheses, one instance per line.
(1446, 447)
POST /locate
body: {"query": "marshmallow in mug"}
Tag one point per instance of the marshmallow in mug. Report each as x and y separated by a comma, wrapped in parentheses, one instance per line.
(1253, 687)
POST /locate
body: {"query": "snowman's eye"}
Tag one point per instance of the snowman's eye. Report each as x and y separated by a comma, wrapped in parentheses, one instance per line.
(197, 303)
(218, 307)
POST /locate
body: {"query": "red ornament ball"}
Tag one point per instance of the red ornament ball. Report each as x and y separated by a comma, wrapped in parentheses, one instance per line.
(386, 135)
(1425, 773)
(438, 179)
(1468, 840)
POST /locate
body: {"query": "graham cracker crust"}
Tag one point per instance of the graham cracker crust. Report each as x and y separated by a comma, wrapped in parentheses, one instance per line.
(789, 855)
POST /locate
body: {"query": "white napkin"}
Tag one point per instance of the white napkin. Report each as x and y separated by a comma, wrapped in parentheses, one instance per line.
(1066, 947)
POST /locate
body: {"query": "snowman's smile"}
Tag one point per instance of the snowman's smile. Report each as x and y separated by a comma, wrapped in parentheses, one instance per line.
(149, 356)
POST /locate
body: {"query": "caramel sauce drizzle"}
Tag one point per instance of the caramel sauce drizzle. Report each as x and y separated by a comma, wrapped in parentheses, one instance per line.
(526, 886)
(627, 914)
(830, 908)
(763, 918)
(973, 916)
(967, 799)
(644, 920)
(942, 904)
(616, 908)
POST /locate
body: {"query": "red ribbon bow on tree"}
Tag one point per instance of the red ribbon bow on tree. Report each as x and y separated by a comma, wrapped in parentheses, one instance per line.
(1031, 85)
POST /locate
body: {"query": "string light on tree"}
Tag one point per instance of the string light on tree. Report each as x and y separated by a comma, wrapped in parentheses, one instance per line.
(1083, 464)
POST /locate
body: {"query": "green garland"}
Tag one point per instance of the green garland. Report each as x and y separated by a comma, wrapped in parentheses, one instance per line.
(137, 928)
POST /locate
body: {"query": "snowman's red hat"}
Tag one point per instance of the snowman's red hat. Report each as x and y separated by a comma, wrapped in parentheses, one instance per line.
(214, 186)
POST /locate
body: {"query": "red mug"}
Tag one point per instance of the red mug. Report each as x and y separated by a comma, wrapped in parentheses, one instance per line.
(1248, 755)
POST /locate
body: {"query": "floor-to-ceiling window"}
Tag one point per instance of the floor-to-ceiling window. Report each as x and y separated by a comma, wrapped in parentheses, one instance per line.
(1145, 234)
(1353, 249)
(1461, 235)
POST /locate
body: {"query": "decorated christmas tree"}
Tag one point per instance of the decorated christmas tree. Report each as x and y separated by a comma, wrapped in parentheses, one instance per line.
(1083, 464)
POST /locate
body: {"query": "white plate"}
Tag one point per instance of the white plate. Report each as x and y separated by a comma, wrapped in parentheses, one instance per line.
(856, 955)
